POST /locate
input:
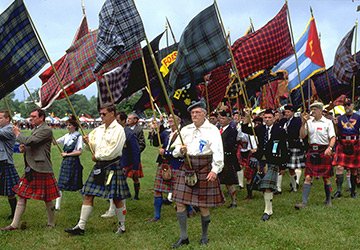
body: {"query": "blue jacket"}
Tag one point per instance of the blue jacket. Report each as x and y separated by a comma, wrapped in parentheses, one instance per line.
(131, 150)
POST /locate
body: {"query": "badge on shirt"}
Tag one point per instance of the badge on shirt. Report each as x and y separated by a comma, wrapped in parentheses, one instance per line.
(202, 144)
(319, 129)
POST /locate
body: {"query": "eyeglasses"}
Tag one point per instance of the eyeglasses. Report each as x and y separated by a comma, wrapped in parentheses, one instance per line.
(103, 114)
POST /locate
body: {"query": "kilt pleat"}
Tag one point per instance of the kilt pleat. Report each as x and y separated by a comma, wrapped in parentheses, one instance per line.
(296, 159)
(347, 160)
(204, 193)
(166, 186)
(270, 179)
(70, 177)
(43, 186)
(8, 179)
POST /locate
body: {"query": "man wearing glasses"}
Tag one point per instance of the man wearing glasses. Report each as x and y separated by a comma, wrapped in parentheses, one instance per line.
(347, 154)
(106, 179)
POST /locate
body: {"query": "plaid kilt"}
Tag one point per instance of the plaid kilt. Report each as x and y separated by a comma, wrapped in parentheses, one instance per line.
(117, 189)
(345, 160)
(270, 179)
(8, 179)
(228, 175)
(70, 177)
(324, 169)
(129, 172)
(296, 158)
(204, 193)
(161, 185)
(251, 168)
(43, 187)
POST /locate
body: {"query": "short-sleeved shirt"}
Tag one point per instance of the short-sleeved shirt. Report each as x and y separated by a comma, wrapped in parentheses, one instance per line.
(69, 138)
(320, 131)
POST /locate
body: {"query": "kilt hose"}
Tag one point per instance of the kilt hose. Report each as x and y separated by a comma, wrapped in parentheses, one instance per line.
(8, 179)
(162, 185)
(117, 188)
(270, 179)
(346, 159)
(41, 186)
(296, 158)
(204, 193)
(323, 168)
(70, 177)
(129, 172)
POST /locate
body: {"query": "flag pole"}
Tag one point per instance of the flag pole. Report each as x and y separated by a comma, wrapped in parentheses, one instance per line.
(153, 100)
(172, 33)
(354, 76)
(57, 78)
(167, 34)
(296, 58)
(207, 97)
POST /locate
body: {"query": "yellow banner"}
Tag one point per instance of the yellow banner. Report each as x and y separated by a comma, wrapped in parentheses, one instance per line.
(166, 62)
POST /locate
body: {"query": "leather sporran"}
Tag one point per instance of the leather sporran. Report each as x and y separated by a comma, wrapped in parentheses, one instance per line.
(190, 178)
(315, 158)
(348, 148)
(166, 172)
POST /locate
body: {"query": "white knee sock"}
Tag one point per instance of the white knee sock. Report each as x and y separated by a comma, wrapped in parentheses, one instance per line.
(84, 215)
(58, 202)
(112, 205)
(293, 182)
(240, 175)
(121, 214)
(298, 172)
(268, 203)
(20, 209)
(279, 182)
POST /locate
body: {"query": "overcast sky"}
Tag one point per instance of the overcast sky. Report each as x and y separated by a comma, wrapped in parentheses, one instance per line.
(58, 20)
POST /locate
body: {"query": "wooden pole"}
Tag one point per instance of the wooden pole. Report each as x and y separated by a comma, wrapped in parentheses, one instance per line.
(354, 77)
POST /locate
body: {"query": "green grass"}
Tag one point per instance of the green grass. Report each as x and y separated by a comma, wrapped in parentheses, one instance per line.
(316, 227)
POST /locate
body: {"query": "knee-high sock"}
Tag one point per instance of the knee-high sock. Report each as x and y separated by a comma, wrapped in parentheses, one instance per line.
(327, 188)
(58, 201)
(84, 215)
(121, 215)
(137, 190)
(205, 221)
(298, 172)
(20, 209)
(279, 182)
(348, 178)
(182, 219)
(268, 203)
(232, 191)
(339, 182)
(50, 213)
(249, 190)
(240, 175)
(112, 205)
(12, 203)
(293, 182)
(306, 192)
(353, 184)
(157, 207)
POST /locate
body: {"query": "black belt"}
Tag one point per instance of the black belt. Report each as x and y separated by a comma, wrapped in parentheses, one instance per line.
(227, 153)
(318, 147)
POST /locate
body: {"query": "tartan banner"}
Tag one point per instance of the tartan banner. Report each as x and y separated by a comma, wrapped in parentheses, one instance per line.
(202, 48)
(218, 81)
(344, 64)
(120, 29)
(21, 54)
(265, 47)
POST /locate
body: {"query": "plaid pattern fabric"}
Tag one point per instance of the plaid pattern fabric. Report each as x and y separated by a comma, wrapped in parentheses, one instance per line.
(346, 160)
(297, 158)
(344, 65)
(161, 185)
(117, 189)
(120, 29)
(204, 193)
(70, 177)
(265, 47)
(295, 95)
(21, 54)
(129, 172)
(8, 179)
(270, 179)
(219, 80)
(43, 187)
(324, 169)
(202, 48)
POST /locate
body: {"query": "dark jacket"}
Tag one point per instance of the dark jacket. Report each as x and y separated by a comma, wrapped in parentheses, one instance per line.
(228, 137)
(131, 150)
(292, 132)
(139, 133)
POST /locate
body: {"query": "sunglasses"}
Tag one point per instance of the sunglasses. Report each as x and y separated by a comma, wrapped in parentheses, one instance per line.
(103, 114)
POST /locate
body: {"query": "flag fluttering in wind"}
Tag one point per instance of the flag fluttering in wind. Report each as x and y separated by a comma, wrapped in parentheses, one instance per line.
(21, 54)
(265, 47)
(120, 29)
(202, 48)
(310, 58)
(345, 65)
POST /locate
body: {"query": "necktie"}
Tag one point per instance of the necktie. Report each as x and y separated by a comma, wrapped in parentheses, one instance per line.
(221, 131)
(266, 137)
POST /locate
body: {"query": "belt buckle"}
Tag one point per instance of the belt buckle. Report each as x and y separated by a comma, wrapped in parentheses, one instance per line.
(348, 137)
(315, 147)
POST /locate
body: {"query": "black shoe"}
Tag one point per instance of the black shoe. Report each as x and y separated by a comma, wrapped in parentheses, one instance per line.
(337, 195)
(136, 198)
(277, 192)
(166, 202)
(204, 241)
(265, 217)
(353, 195)
(181, 242)
(232, 206)
(75, 231)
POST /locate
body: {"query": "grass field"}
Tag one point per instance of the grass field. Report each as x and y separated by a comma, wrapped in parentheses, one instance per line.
(316, 227)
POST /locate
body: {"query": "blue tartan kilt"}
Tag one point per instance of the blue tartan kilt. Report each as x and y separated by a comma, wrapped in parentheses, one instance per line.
(70, 177)
(270, 179)
(8, 179)
(117, 189)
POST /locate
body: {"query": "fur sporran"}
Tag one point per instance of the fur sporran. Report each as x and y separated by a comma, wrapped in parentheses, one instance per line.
(190, 178)
(166, 172)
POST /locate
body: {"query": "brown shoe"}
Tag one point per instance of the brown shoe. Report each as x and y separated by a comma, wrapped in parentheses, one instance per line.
(8, 228)
(300, 206)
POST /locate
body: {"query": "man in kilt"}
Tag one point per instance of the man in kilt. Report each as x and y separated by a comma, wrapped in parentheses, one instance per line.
(347, 153)
(8, 174)
(203, 145)
(321, 136)
(39, 182)
(228, 175)
(107, 179)
(296, 160)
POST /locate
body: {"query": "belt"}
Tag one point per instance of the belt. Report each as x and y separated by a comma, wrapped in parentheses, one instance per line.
(227, 153)
(349, 137)
(318, 147)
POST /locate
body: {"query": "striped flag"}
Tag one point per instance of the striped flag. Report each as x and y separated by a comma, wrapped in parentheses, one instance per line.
(21, 54)
(310, 58)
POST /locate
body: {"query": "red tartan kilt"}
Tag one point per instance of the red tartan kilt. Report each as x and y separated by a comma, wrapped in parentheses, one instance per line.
(43, 186)
(344, 160)
(249, 173)
(324, 169)
(130, 172)
(161, 185)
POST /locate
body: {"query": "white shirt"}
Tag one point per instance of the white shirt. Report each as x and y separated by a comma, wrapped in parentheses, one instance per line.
(107, 143)
(250, 139)
(205, 140)
(321, 131)
(69, 138)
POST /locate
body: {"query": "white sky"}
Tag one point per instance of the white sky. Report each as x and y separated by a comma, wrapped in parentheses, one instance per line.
(58, 20)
